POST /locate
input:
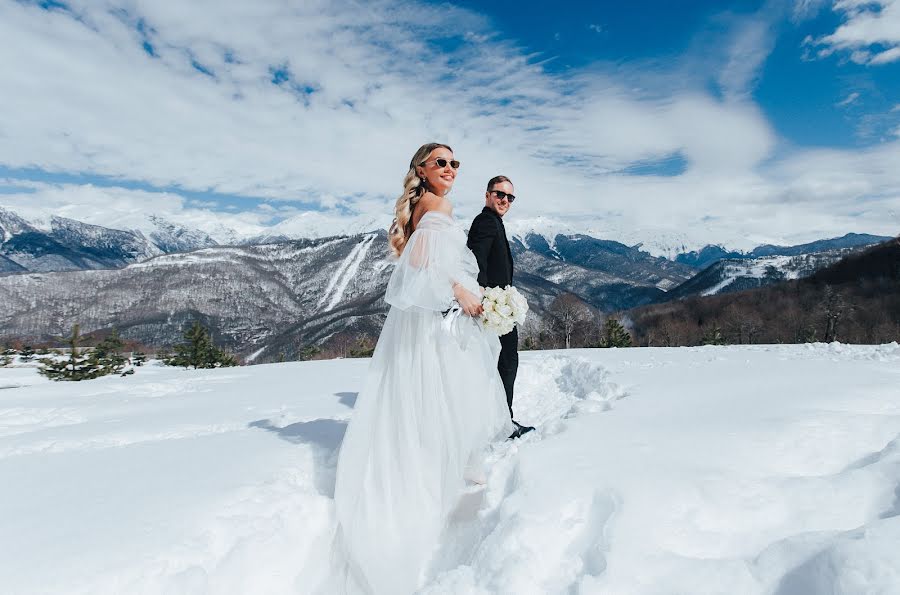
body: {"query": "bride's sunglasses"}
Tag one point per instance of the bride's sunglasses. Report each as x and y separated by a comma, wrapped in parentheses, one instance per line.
(501, 195)
(441, 162)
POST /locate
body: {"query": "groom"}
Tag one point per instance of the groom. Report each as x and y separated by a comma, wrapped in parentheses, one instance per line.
(487, 240)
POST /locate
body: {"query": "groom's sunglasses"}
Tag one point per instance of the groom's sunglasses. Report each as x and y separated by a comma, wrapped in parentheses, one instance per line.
(441, 162)
(501, 195)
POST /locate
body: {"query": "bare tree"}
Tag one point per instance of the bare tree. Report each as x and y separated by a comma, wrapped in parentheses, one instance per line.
(834, 307)
(569, 314)
(530, 333)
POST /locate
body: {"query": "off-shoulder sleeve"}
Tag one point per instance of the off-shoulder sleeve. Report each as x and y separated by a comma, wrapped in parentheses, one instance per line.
(435, 257)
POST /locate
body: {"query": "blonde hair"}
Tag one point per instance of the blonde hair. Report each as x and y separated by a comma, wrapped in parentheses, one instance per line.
(414, 188)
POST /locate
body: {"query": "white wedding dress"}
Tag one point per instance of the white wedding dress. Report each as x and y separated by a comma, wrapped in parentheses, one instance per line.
(432, 402)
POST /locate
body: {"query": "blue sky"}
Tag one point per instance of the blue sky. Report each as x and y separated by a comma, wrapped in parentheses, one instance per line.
(800, 96)
(733, 122)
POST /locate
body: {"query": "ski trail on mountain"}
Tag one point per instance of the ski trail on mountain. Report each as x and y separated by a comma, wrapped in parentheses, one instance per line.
(718, 286)
(346, 271)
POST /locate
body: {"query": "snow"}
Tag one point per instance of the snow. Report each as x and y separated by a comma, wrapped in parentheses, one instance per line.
(658, 241)
(315, 224)
(719, 286)
(741, 469)
(252, 357)
(345, 273)
(756, 268)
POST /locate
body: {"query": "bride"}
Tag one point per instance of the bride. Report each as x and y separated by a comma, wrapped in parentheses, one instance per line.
(432, 400)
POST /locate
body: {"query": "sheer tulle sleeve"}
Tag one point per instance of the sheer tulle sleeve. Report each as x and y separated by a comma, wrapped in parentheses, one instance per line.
(435, 257)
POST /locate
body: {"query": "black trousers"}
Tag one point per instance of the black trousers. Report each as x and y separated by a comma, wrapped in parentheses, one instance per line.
(508, 364)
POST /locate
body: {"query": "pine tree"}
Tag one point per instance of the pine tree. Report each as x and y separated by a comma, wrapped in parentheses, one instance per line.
(363, 348)
(27, 353)
(713, 336)
(76, 367)
(139, 358)
(5, 360)
(773, 274)
(107, 355)
(309, 352)
(614, 334)
(199, 351)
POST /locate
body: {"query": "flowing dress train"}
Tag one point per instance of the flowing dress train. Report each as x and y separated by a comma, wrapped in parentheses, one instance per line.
(431, 403)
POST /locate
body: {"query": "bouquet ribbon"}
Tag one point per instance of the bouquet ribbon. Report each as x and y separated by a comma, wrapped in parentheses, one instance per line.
(454, 323)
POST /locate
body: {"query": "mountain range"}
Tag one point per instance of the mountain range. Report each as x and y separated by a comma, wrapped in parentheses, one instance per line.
(69, 245)
(853, 300)
(271, 300)
(268, 299)
(714, 253)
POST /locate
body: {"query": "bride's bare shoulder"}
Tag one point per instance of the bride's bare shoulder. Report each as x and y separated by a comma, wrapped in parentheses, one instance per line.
(432, 202)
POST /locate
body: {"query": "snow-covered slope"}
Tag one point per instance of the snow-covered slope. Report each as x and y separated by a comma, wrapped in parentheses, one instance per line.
(657, 241)
(279, 296)
(314, 225)
(102, 241)
(12, 225)
(710, 254)
(272, 300)
(64, 244)
(738, 274)
(769, 470)
(170, 237)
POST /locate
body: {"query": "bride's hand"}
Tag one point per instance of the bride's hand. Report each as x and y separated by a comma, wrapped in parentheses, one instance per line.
(468, 301)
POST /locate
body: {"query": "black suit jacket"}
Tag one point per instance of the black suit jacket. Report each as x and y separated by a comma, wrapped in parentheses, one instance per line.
(487, 240)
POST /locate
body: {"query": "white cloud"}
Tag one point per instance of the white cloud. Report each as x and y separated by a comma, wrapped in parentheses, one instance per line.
(749, 48)
(805, 9)
(361, 86)
(121, 208)
(886, 56)
(848, 99)
(870, 31)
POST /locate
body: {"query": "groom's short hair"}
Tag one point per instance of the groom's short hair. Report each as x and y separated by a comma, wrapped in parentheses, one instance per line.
(497, 180)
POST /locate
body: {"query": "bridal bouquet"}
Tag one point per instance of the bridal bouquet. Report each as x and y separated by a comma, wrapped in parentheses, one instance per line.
(504, 308)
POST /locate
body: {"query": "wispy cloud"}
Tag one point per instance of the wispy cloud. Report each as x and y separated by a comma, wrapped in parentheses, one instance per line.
(323, 102)
(848, 99)
(748, 50)
(870, 33)
(806, 9)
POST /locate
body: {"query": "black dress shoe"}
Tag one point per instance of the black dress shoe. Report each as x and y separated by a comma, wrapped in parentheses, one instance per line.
(519, 430)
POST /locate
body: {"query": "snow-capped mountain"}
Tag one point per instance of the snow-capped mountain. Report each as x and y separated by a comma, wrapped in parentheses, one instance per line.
(666, 243)
(736, 274)
(107, 244)
(171, 237)
(279, 296)
(63, 244)
(73, 245)
(712, 253)
(313, 225)
(271, 300)
(12, 225)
